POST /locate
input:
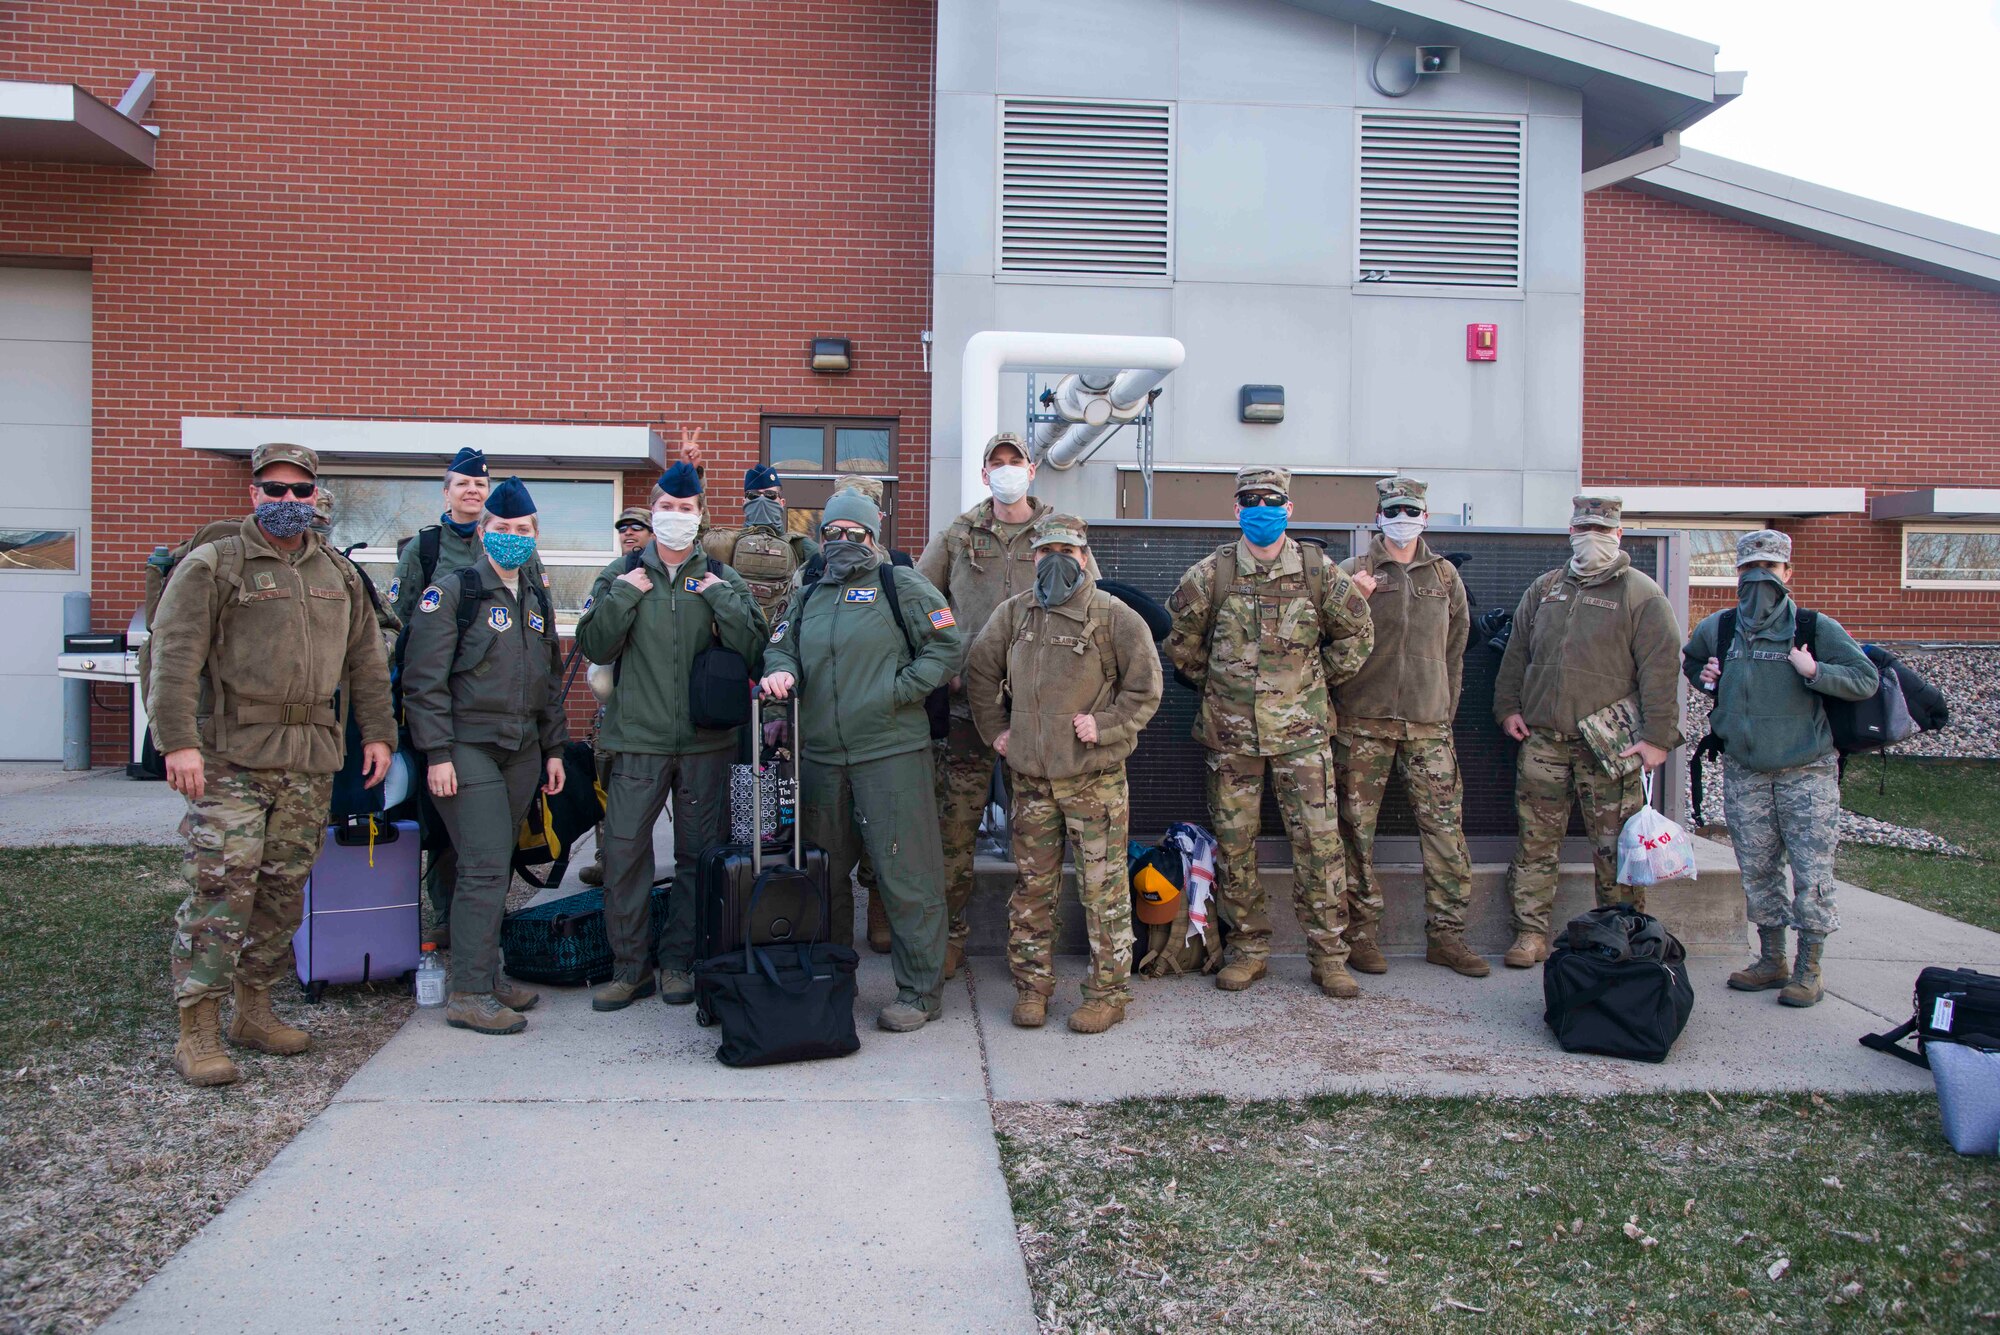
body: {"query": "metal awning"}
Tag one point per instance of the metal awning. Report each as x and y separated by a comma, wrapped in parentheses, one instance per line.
(1739, 502)
(60, 122)
(1939, 503)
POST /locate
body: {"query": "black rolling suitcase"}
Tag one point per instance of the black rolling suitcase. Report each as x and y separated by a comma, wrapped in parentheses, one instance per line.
(790, 908)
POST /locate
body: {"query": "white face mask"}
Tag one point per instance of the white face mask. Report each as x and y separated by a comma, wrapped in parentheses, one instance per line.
(1009, 483)
(1592, 550)
(1400, 529)
(674, 529)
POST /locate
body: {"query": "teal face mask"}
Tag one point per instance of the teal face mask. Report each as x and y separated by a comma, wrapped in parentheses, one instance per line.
(510, 551)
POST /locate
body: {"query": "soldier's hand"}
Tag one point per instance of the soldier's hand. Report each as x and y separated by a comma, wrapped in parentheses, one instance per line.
(1086, 728)
(557, 776)
(1364, 582)
(1802, 660)
(1515, 726)
(1000, 742)
(374, 763)
(778, 685)
(691, 445)
(444, 780)
(185, 774)
(706, 583)
(1652, 757)
(1711, 672)
(638, 579)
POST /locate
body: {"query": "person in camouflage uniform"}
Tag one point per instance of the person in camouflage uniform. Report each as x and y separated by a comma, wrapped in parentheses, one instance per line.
(1395, 717)
(1586, 636)
(254, 634)
(1263, 626)
(1780, 772)
(1061, 681)
(764, 551)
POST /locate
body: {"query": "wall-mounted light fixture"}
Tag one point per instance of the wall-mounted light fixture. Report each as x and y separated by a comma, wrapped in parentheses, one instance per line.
(1262, 404)
(832, 356)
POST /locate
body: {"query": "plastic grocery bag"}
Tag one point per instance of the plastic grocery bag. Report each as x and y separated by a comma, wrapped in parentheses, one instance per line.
(1652, 848)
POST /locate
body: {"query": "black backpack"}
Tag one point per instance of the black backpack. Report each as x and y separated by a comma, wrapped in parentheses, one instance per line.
(1617, 984)
(719, 677)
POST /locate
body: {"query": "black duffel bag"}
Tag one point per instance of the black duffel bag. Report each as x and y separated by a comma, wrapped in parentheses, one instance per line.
(1952, 1006)
(781, 1003)
(1617, 984)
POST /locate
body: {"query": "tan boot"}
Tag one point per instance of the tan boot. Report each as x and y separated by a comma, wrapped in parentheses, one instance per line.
(1769, 969)
(1364, 956)
(593, 874)
(256, 1025)
(1336, 981)
(512, 995)
(482, 1013)
(878, 926)
(954, 959)
(1804, 989)
(617, 994)
(1451, 951)
(1528, 950)
(1239, 974)
(1094, 1017)
(1031, 1009)
(199, 1056)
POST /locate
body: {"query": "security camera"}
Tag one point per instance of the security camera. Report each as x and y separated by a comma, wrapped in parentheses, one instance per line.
(1437, 60)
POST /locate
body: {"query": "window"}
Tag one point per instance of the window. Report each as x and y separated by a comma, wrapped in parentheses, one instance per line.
(1951, 558)
(1440, 200)
(1711, 546)
(44, 550)
(375, 510)
(812, 454)
(1086, 187)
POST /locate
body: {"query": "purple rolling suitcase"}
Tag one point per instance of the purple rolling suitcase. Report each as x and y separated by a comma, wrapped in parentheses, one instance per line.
(361, 919)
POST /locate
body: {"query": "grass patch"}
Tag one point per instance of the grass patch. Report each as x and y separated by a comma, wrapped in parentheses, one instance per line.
(108, 1163)
(1368, 1212)
(1959, 799)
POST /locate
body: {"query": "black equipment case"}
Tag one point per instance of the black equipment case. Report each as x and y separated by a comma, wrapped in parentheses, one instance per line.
(1952, 1006)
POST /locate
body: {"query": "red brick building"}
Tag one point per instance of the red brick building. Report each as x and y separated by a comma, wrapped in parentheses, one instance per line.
(1763, 351)
(610, 215)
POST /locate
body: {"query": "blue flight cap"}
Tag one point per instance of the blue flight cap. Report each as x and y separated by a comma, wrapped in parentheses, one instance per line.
(761, 478)
(510, 500)
(681, 480)
(468, 461)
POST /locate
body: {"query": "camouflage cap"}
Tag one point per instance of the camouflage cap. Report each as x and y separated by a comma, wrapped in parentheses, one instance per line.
(1766, 544)
(1060, 528)
(323, 502)
(1264, 477)
(1597, 512)
(1400, 488)
(278, 452)
(1008, 438)
(871, 487)
(633, 515)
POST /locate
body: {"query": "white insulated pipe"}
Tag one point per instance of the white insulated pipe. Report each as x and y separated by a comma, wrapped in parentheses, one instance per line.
(1125, 400)
(1141, 360)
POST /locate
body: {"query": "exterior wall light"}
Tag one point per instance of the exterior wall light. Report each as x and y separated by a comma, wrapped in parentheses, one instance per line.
(832, 356)
(1262, 404)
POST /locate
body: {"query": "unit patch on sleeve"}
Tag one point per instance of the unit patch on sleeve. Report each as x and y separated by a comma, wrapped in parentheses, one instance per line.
(942, 618)
(778, 635)
(861, 595)
(395, 587)
(588, 601)
(535, 622)
(499, 618)
(432, 597)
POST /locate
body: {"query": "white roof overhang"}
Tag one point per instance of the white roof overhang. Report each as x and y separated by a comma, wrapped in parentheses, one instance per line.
(60, 122)
(1741, 502)
(506, 444)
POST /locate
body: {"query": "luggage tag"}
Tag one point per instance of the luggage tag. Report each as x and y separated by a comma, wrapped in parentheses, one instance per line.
(1941, 1014)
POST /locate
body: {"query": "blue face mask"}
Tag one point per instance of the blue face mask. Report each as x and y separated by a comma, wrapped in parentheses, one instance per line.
(510, 551)
(1263, 524)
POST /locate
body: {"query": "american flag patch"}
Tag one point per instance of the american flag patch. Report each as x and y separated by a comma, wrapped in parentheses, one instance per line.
(942, 618)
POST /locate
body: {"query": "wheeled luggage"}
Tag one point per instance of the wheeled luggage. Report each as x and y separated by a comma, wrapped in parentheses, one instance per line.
(1617, 984)
(563, 943)
(361, 919)
(1952, 1005)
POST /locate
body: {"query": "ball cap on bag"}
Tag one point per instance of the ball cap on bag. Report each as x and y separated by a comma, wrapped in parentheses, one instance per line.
(1264, 477)
(1060, 528)
(1158, 897)
(279, 452)
(1766, 544)
(1009, 439)
(1596, 512)
(1389, 490)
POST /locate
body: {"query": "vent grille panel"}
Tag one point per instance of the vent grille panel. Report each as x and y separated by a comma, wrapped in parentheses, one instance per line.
(1440, 200)
(1086, 187)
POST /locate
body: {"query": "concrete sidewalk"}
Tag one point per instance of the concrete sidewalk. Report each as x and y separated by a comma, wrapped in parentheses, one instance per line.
(43, 804)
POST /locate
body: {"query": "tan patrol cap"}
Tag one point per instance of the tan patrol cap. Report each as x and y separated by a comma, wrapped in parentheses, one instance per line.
(278, 452)
(1060, 528)
(1400, 488)
(1264, 477)
(633, 515)
(1004, 438)
(1597, 512)
(1766, 544)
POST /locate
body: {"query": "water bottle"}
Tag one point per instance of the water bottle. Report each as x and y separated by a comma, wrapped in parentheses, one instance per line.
(430, 977)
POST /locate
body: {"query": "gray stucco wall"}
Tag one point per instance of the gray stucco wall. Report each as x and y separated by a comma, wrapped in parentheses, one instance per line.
(1266, 96)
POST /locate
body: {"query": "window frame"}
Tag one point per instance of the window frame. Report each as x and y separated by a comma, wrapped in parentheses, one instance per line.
(1738, 526)
(1903, 549)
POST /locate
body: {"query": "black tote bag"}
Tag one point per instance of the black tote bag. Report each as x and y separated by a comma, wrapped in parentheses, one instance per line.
(781, 1003)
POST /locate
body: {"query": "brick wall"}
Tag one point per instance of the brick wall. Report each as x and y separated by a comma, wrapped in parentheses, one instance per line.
(1721, 354)
(588, 212)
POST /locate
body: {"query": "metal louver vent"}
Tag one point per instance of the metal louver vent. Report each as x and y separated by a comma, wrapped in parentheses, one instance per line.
(1440, 200)
(1086, 187)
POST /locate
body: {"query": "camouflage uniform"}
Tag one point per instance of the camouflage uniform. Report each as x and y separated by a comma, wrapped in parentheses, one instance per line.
(1092, 810)
(1551, 765)
(1265, 707)
(1779, 816)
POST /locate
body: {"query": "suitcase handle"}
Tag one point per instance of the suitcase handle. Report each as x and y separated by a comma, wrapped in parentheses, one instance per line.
(348, 835)
(791, 703)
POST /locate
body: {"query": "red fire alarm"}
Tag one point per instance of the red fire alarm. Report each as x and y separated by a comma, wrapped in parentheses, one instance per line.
(1482, 343)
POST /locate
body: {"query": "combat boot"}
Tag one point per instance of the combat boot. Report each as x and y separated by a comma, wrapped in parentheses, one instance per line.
(1094, 1017)
(954, 959)
(1804, 989)
(199, 1056)
(1364, 956)
(482, 1013)
(1528, 950)
(593, 874)
(676, 987)
(903, 1017)
(617, 994)
(1031, 1009)
(1336, 981)
(878, 926)
(512, 995)
(1449, 949)
(1239, 974)
(1768, 970)
(255, 1025)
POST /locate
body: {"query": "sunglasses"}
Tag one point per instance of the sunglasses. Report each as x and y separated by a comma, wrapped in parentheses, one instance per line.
(632, 526)
(1251, 500)
(300, 490)
(766, 496)
(845, 534)
(1400, 512)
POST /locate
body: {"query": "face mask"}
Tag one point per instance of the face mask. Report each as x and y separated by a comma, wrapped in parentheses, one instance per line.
(463, 530)
(1263, 524)
(1759, 595)
(1056, 578)
(763, 512)
(845, 560)
(1592, 550)
(675, 530)
(1009, 483)
(510, 551)
(285, 519)
(1401, 530)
